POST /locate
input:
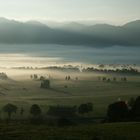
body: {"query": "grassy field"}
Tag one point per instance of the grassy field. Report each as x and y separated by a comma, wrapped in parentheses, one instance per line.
(23, 91)
(113, 131)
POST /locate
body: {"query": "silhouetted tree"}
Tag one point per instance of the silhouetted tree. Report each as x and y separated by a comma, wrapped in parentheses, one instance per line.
(69, 78)
(35, 110)
(114, 79)
(45, 84)
(66, 78)
(62, 111)
(10, 108)
(136, 108)
(42, 78)
(85, 108)
(118, 111)
(124, 79)
(35, 76)
(104, 78)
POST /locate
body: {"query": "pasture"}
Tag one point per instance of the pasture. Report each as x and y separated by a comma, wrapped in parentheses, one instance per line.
(23, 91)
(112, 131)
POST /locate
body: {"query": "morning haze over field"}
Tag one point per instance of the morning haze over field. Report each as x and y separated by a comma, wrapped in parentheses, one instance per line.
(69, 69)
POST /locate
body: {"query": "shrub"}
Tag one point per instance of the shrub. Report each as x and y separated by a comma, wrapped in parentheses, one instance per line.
(45, 84)
(35, 110)
(118, 111)
(85, 108)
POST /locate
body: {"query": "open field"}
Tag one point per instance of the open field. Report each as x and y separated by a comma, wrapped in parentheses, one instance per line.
(23, 91)
(113, 131)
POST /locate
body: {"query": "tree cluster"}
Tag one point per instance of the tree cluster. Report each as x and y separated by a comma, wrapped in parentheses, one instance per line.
(123, 111)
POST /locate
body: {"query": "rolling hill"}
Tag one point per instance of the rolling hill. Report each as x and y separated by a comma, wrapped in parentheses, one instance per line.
(12, 31)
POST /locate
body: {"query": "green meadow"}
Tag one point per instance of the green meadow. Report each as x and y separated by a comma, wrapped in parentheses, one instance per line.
(23, 91)
(112, 131)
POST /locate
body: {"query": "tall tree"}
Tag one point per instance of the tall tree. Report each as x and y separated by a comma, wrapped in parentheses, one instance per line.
(35, 110)
(10, 108)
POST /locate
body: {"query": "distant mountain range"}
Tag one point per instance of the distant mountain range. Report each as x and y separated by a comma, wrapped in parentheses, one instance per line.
(12, 31)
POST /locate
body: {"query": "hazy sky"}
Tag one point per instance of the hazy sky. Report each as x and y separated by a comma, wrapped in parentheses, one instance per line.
(114, 11)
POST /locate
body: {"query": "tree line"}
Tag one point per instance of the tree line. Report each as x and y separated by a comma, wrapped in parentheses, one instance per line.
(119, 111)
(57, 112)
(119, 71)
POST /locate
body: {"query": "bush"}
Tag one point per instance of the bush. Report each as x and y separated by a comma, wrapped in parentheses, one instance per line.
(35, 110)
(45, 84)
(118, 111)
(85, 108)
(62, 111)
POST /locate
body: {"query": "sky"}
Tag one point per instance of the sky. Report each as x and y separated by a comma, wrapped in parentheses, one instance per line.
(110, 11)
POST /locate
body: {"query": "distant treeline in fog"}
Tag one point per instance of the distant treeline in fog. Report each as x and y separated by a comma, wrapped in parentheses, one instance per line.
(123, 70)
